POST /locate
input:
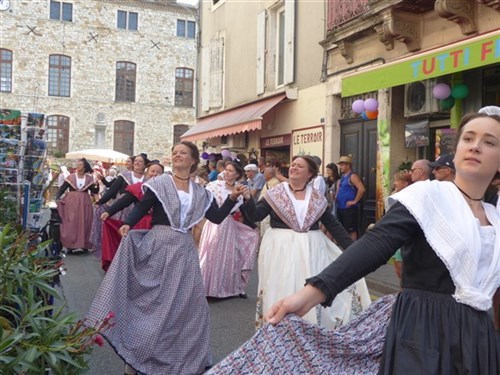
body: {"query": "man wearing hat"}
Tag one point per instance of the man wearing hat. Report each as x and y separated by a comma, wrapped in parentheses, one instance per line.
(350, 190)
(255, 180)
(444, 168)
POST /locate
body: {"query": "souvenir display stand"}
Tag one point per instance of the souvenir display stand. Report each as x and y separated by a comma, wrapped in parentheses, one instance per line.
(23, 150)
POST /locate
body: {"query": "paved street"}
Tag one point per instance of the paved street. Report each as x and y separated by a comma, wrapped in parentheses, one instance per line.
(232, 320)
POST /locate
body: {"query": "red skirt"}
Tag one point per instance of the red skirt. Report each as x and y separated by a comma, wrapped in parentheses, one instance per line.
(111, 237)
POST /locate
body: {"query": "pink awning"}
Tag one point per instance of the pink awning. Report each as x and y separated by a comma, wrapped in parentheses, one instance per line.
(237, 120)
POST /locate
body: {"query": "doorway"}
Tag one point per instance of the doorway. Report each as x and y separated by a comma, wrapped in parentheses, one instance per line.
(359, 139)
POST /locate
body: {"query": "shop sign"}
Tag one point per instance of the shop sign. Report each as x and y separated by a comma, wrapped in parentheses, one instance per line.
(469, 54)
(308, 141)
(417, 134)
(276, 141)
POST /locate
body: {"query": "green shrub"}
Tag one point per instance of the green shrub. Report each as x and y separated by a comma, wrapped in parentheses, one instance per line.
(37, 337)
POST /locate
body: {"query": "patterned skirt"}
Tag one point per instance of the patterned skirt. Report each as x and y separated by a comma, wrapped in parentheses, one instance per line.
(295, 346)
(287, 258)
(155, 290)
(227, 255)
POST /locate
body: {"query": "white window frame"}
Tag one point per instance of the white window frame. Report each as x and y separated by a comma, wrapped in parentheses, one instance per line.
(127, 20)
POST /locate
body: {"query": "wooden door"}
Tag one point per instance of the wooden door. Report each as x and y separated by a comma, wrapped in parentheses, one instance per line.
(359, 139)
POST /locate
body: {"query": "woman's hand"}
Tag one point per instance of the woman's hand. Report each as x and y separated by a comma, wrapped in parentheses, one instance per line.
(299, 303)
(235, 193)
(104, 216)
(245, 191)
(124, 230)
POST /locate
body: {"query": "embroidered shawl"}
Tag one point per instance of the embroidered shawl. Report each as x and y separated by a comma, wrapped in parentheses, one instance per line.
(452, 231)
(282, 205)
(127, 176)
(71, 180)
(165, 190)
(218, 189)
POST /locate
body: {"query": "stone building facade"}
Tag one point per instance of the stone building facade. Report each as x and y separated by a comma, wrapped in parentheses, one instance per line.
(104, 72)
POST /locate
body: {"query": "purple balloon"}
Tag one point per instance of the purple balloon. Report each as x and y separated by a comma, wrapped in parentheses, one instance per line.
(441, 91)
(204, 155)
(358, 106)
(211, 157)
(371, 105)
(226, 153)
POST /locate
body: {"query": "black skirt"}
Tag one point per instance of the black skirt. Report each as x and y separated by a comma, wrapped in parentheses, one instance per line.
(431, 333)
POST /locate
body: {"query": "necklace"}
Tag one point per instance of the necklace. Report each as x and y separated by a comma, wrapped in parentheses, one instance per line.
(297, 190)
(182, 178)
(228, 184)
(467, 195)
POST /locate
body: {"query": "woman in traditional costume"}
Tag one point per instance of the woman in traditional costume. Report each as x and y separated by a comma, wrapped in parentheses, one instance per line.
(133, 193)
(450, 241)
(115, 191)
(227, 250)
(294, 248)
(75, 208)
(154, 285)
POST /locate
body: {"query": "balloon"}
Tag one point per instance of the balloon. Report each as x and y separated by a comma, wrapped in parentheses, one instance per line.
(358, 106)
(447, 103)
(204, 155)
(226, 153)
(371, 105)
(460, 91)
(364, 117)
(211, 157)
(441, 91)
(371, 115)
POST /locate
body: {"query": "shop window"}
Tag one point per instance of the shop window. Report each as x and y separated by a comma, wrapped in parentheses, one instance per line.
(57, 135)
(61, 11)
(59, 75)
(125, 81)
(124, 137)
(5, 70)
(184, 87)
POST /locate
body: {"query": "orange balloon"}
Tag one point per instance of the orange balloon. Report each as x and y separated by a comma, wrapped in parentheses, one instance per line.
(372, 115)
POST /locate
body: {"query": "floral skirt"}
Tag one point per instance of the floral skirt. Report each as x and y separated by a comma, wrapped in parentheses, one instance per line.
(295, 346)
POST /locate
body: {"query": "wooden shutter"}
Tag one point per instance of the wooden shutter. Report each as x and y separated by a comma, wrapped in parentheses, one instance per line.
(205, 78)
(289, 41)
(261, 52)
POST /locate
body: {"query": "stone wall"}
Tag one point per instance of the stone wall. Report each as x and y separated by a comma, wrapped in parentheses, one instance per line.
(95, 44)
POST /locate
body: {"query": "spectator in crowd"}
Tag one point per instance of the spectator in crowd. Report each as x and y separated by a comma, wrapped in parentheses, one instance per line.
(271, 181)
(63, 175)
(420, 170)
(221, 166)
(212, 174)
(331, 180)
(350, 190)
(443, 168)
(255, 180)
(319, 181)
(262, 164)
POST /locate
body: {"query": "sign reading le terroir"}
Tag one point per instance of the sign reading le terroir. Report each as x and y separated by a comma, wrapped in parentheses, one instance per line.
(469, 54)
